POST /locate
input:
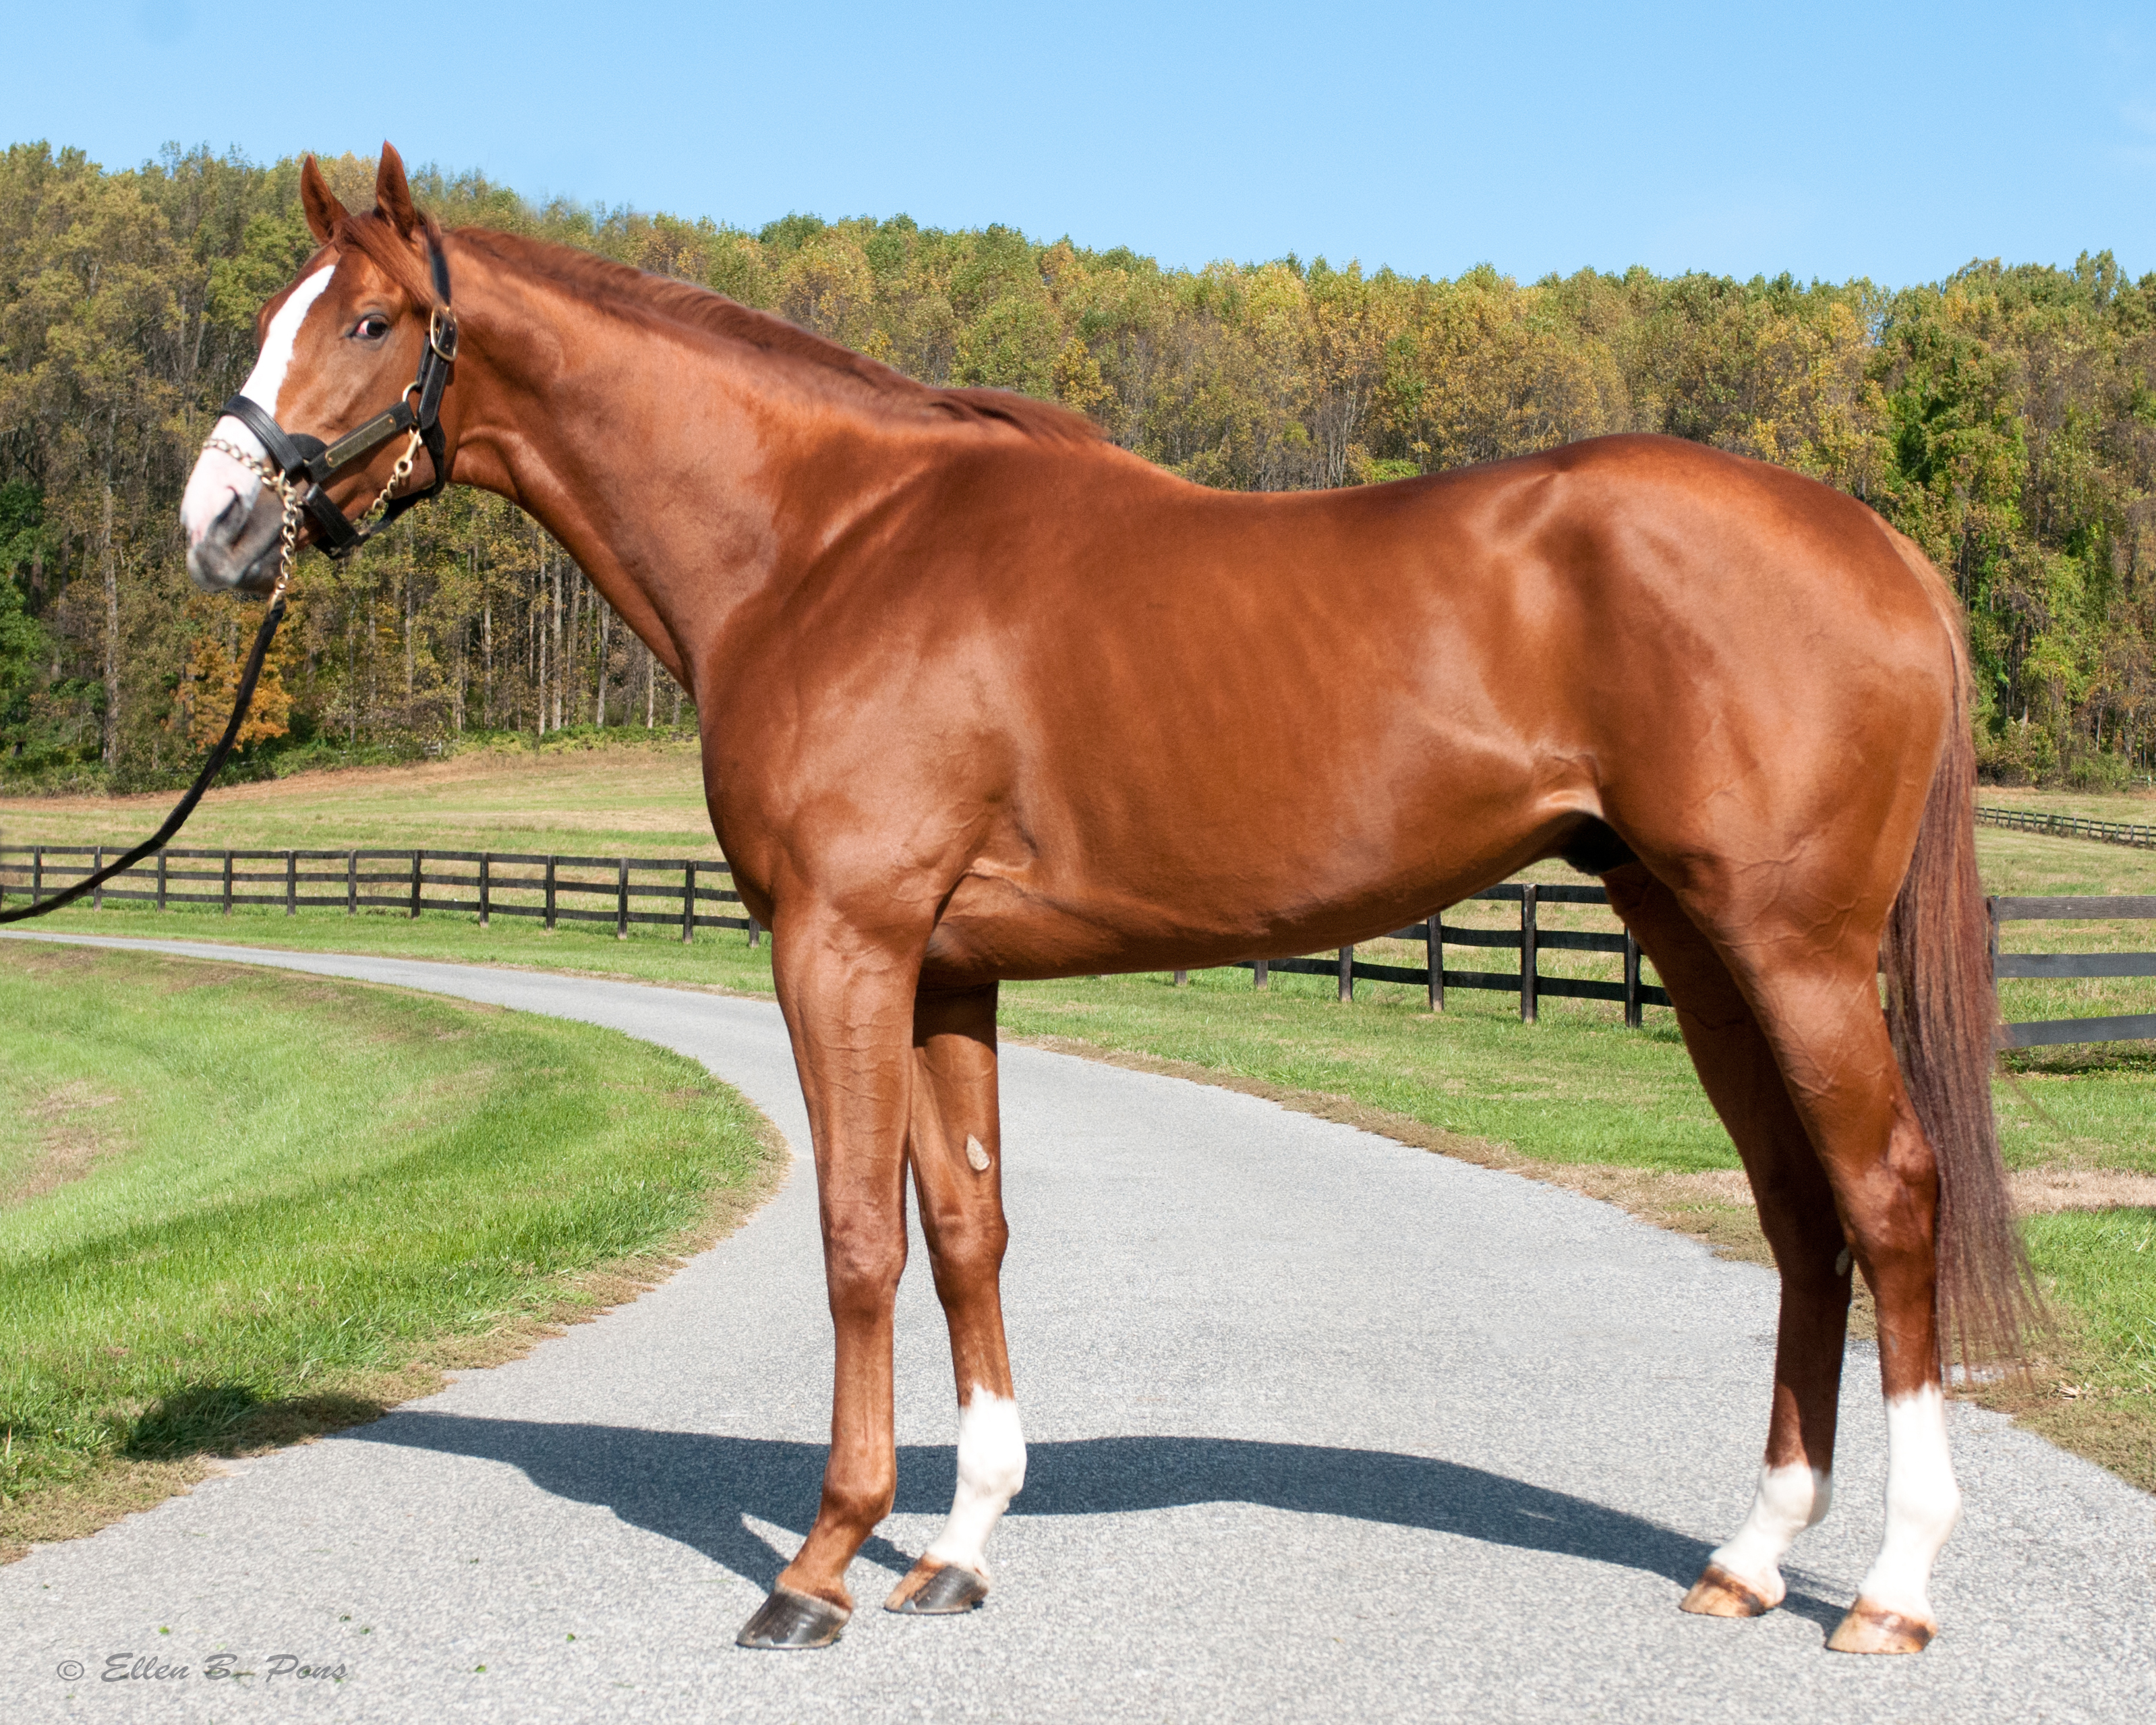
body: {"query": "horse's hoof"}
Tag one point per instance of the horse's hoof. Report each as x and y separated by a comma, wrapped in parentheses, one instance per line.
(1873, 1629)
(937, 1590)
(791, 1619)
(1718, 1593)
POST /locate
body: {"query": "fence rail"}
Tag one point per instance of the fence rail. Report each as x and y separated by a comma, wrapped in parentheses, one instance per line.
(556, 888)
(559, 889)
(2068, 826)
(2043, 1033)
(1530, 940)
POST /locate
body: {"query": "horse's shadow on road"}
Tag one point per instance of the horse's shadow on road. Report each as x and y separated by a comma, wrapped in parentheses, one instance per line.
(700, 1489)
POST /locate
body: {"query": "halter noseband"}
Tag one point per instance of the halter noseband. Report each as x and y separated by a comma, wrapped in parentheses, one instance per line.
(296, 456)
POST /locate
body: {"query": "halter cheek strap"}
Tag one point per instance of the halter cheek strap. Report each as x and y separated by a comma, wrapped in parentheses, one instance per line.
(298, 457)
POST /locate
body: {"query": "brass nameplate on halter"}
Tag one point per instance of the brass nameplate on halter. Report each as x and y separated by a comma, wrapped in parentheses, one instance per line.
(353, 444)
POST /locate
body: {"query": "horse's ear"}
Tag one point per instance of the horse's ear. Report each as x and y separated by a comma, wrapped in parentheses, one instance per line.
(392, 196)
(323, 210)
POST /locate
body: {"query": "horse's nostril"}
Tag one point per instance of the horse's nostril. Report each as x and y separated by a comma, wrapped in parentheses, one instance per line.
(231, 521)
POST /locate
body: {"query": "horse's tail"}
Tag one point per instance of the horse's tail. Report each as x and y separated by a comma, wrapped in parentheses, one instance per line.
(1944, 1014)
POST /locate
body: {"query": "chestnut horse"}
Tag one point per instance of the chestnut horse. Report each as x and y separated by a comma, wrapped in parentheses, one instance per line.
(983, 697)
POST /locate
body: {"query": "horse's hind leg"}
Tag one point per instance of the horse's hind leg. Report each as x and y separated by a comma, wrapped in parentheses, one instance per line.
(1736, 1067)
(1816, 1005)
(955, 1150)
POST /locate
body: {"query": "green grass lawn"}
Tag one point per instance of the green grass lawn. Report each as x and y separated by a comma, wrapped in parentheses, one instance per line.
(236, 1205)
(640, 799)
(1576, 1095)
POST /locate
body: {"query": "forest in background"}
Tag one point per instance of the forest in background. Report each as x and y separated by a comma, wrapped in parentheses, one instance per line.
(2005, 417)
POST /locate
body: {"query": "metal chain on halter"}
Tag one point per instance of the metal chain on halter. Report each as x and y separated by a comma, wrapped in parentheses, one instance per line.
(288, 494)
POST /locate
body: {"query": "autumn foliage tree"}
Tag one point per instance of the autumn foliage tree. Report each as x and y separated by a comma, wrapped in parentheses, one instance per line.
(2006, 417)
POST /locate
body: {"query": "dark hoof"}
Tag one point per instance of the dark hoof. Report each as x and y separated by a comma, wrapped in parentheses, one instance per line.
(934, 1589)
(791, 1619)
(1872, 1628)
(1718, 1593)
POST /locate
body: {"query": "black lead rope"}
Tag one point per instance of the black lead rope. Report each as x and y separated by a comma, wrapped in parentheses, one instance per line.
(294, 458)
(177, 818)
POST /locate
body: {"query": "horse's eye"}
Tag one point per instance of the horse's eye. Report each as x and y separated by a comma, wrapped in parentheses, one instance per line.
(372, 327)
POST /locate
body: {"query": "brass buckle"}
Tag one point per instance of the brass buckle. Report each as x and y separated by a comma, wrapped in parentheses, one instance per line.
(442, 333)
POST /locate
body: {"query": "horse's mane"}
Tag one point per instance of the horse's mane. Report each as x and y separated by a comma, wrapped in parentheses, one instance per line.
(661, 302)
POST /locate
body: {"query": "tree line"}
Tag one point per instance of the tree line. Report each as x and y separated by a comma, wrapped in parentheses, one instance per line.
(2005, 417)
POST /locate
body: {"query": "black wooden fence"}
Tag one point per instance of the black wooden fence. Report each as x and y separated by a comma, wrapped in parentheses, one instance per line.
(1530, 940)
(2068, 826)
(2041, 1033)
(563, 889)
(556, 888)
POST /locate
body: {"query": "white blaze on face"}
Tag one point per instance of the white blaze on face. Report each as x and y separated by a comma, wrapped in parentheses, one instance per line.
(1789, 1500)
(217, 478)
(1923, 1504)
(991, 1472)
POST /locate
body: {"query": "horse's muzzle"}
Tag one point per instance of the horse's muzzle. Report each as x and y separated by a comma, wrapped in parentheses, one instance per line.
(239, 550)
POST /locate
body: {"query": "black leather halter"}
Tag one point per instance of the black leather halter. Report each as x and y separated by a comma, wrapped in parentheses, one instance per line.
(296, 456)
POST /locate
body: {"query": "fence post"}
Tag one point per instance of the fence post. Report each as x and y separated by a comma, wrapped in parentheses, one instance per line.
(352, 883)
(1527, 978)
(1991, 944)
(621, 899)
(1635, 1010)
(550, 861)
(485, 885)
(37, 873)
(1435, 935)
(228, 885)
(1181, 979)
(1347, 972)
(291, 883)
(416, 856)
(688, 903)
(160, 880)
(755, 927)
(97, 892)
(1261, 975)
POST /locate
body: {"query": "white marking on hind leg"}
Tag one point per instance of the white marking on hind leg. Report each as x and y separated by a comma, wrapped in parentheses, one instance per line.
(991, 1472)
(1923, 1504)
(1789, 1500)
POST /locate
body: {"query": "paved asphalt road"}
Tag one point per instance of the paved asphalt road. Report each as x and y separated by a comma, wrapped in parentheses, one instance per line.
(1321, 1427)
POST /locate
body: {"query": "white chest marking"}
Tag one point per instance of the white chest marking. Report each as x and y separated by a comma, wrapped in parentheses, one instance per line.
(216, 477)
(991, 1472)
(1923, 1504)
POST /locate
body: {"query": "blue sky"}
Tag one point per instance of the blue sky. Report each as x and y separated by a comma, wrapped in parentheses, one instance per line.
(1831, 140)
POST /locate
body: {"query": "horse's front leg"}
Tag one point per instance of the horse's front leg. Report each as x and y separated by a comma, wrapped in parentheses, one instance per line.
(848, 999)
(956, 1149)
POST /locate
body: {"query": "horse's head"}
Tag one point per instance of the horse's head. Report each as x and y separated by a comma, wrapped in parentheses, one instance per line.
(340, 344)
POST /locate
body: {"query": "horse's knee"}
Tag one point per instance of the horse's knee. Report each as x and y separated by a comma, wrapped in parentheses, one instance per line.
(862, 1264)
(968, 1249)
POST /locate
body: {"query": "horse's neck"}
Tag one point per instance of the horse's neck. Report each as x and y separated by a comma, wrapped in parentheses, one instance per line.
(685, 473)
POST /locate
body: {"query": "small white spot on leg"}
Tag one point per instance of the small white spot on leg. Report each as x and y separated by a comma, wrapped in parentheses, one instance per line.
(991, 1472)
(1923, 1504)
(977, 1156)
(1789, 1500)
